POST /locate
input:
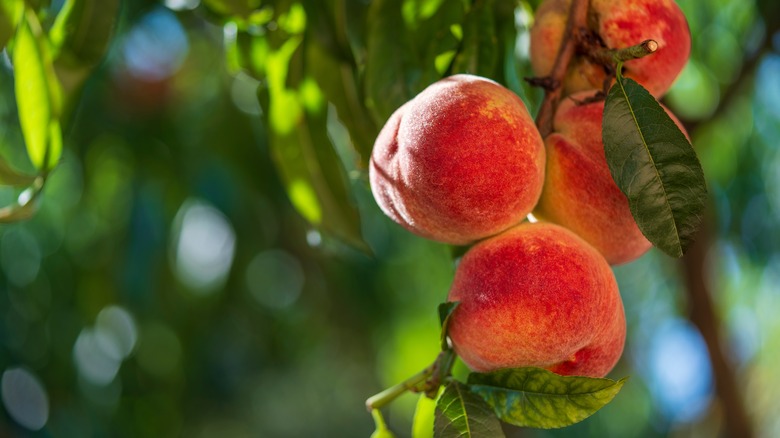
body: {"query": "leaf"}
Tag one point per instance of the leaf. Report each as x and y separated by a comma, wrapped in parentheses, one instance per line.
(390, 66)
(435, 35)
(424, 412)
(83, 31)
(10, 13)
(462, 414)
(381, 427)
(340, 86)
(478, 53)
(655, 167)
(534, 397)
(445, 312)
(38, 94)
(304, 155)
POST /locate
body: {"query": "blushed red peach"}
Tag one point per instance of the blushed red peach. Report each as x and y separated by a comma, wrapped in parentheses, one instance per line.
(537, 295)
(619, 24)
(579, 192)
(461, 161)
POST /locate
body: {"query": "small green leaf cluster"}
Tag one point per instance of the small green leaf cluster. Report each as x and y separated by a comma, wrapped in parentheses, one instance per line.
(528, 397)
(50, 66)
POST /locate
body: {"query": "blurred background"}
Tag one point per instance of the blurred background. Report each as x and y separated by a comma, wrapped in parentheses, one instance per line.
(183, 277)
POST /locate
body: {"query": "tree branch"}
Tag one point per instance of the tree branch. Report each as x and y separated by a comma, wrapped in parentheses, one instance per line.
(578, 15)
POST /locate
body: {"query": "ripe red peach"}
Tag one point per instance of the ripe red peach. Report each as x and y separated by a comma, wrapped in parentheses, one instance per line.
(579, 192)
(619, 24)
(537, 295)
(461, 161)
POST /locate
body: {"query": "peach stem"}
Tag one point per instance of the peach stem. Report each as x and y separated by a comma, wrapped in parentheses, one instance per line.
(613, 57)
(577, 19)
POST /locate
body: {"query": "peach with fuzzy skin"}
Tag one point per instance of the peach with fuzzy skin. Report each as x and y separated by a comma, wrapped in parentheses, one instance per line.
(537, 295)
(579, 192)
(620, 24)
(459, 162)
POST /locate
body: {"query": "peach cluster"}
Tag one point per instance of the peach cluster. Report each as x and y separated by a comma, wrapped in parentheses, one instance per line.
(463, 163)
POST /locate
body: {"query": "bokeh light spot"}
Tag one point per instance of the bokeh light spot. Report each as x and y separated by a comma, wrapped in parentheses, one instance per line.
(275, 279)
(20, 256)
(159, 350)
(93, 362)
(681, 377)
(25, 398)
(205, 247)
(115, 331)
(156, 47)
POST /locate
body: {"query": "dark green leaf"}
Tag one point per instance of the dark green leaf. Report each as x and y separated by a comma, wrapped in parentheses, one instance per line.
(10, 13)
(422, 425)
(435, 35)
(340, 86)
(534, 397)
(478, 53)
(390, 67)
(38, 94)
(304, 154)
(83, 31)
(445, 312)
(462, 414)
(247, 53)
(655, 167)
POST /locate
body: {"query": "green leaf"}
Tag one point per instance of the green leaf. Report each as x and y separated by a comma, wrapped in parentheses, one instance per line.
(462, 414)
(478, 54)
(655, 167)
(424, 412)
(381, 427)
(339, 83)
(38, 94)
(303, 153)
(534, 397)
(83, 31)
(10, 14)
(445, 312)
(390, 66)
(438, 41)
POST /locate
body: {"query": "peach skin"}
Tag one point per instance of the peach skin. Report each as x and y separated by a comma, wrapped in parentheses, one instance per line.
(461, 161)
(537, 295)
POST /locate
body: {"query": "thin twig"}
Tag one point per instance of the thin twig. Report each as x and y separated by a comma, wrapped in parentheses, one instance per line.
(578, 15)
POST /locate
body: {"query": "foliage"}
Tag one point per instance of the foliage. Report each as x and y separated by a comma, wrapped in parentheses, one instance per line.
(98, 213)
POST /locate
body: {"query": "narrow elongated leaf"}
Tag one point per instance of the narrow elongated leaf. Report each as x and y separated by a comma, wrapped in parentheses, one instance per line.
(478, 53)
(37, 94)
(304, 154)
(655, 167)
(340, 86)
(10, 13)
(83, 31)
(390, 66)
(440, 45)
(534, 397)
(445, 311)
(462, 414)
(424, 412)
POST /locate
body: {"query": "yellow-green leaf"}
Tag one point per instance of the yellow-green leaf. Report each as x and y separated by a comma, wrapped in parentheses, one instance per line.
(533, 397)
(38, 93)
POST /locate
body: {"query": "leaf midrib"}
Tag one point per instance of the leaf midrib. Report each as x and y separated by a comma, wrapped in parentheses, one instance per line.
(650, 156)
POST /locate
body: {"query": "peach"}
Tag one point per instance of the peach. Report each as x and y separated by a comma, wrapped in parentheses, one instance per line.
(537, 295)
(619, 24)
(579, 192)
(461, 161)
